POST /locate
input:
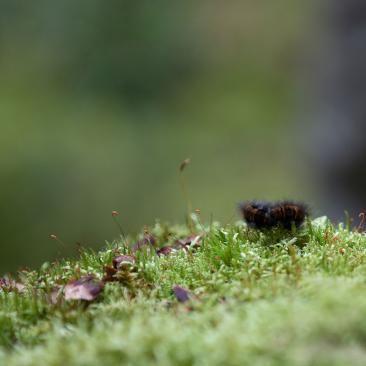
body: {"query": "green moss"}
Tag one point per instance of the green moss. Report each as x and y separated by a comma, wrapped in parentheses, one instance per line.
(273, 298)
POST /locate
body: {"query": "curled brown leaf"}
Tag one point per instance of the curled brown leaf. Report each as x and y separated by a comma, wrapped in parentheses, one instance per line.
(123, 261)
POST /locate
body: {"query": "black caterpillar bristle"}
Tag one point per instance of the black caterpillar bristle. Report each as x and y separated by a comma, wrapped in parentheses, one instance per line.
(266, 215)
(256, 214)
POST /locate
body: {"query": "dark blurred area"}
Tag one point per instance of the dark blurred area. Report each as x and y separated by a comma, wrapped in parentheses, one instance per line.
(101, 101)
(336, 138)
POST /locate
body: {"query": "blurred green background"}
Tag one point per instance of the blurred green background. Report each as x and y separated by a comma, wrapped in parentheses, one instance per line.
(101, 101)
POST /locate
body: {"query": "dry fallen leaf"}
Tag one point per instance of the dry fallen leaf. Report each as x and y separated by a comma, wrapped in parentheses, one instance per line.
(122, 261)
(109, 274)
(85, 288)
(194, 241)
(7, 284)
(181, 294)
(147, 240)
(165, 250)
(56, 294)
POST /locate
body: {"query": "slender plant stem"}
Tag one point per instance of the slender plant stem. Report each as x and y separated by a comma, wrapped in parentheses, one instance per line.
(123, 235)
(187, 200)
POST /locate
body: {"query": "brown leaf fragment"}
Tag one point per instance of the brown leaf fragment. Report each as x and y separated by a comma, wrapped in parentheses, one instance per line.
(146, 241)
(165, 250)
(194, 240)
(7, 284)
(181, 294)
(109, 274)
(123, 261)
(84, 288)
(56, 295)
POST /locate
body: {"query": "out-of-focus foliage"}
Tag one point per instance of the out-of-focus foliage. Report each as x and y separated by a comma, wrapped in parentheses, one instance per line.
(137, 50)
(100, 102)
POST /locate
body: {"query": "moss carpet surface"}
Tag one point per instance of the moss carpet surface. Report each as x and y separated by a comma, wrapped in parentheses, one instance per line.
(255, 298)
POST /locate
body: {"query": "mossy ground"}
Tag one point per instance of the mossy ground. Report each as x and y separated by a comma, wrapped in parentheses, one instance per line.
(257, 298)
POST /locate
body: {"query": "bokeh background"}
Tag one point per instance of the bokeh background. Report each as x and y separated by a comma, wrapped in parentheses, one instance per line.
(101, 101)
